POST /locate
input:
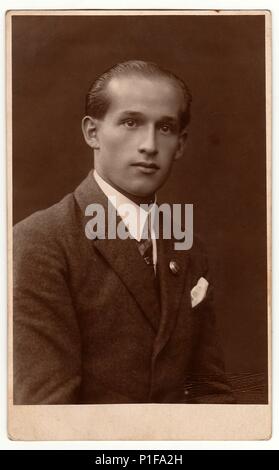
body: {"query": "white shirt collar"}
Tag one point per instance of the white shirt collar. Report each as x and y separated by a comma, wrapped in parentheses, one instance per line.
(133, 215)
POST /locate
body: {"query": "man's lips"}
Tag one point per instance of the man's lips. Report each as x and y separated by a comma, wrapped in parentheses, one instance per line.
(151, 166)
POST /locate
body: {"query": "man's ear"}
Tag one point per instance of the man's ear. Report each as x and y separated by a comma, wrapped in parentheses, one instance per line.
(181, 144)
(89, 129)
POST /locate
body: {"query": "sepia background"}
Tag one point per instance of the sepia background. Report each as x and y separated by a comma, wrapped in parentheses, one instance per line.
(222, 59)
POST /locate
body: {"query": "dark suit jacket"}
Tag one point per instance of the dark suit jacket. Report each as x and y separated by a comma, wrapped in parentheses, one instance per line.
(89, 325)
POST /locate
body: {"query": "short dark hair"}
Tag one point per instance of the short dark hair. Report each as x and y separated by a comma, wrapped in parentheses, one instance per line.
(97, 99)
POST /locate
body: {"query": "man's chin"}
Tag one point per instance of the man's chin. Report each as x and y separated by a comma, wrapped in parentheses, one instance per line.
(140, 195)
(145, 190)
(144, 193)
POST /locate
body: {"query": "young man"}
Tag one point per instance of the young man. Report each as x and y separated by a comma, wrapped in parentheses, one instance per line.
(125, 319)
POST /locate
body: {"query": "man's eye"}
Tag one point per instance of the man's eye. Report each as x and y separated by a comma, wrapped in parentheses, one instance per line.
(165, 128)
(130, 123)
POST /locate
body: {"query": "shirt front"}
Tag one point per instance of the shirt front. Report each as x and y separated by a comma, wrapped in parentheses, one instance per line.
(133, 215)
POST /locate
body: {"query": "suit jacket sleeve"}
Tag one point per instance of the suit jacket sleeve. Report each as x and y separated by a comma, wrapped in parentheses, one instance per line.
(207, 381)
(47, 352)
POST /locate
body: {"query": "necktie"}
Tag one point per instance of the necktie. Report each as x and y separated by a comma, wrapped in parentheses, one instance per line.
(145, 246)
(146, 250)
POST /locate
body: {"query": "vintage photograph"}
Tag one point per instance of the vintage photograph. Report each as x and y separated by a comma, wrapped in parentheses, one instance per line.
(139, 209)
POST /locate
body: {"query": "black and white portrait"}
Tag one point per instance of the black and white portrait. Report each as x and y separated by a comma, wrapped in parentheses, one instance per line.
(139, 209)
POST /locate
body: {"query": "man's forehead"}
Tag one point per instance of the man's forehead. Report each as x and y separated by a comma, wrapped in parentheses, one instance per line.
(140, 91)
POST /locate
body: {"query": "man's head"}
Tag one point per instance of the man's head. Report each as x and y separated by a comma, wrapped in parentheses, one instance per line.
(136, 116)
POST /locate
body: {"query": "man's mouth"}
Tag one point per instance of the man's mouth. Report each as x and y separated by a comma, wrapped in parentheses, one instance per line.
(146, 167)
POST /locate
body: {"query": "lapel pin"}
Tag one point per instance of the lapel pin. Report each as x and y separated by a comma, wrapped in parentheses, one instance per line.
(174, 267)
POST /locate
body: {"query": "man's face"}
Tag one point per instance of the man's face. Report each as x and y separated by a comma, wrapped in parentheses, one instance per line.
(139, 137)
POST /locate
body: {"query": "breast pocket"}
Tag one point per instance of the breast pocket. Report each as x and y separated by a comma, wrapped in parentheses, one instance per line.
(199, 292)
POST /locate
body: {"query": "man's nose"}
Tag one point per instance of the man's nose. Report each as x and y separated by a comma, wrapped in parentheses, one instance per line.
(148, 143)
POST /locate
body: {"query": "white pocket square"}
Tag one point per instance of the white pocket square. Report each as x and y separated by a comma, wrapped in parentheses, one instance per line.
(198, 292)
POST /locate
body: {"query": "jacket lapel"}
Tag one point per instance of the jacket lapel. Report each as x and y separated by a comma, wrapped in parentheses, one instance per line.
(172, 285)
(125, 259)
(123, 256)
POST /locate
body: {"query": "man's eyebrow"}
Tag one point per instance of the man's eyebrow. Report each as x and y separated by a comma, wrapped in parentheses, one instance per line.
(131, 113)
(171, 119)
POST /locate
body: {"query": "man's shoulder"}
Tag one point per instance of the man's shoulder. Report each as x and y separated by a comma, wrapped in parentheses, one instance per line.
(48, 223)
(60, 224)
